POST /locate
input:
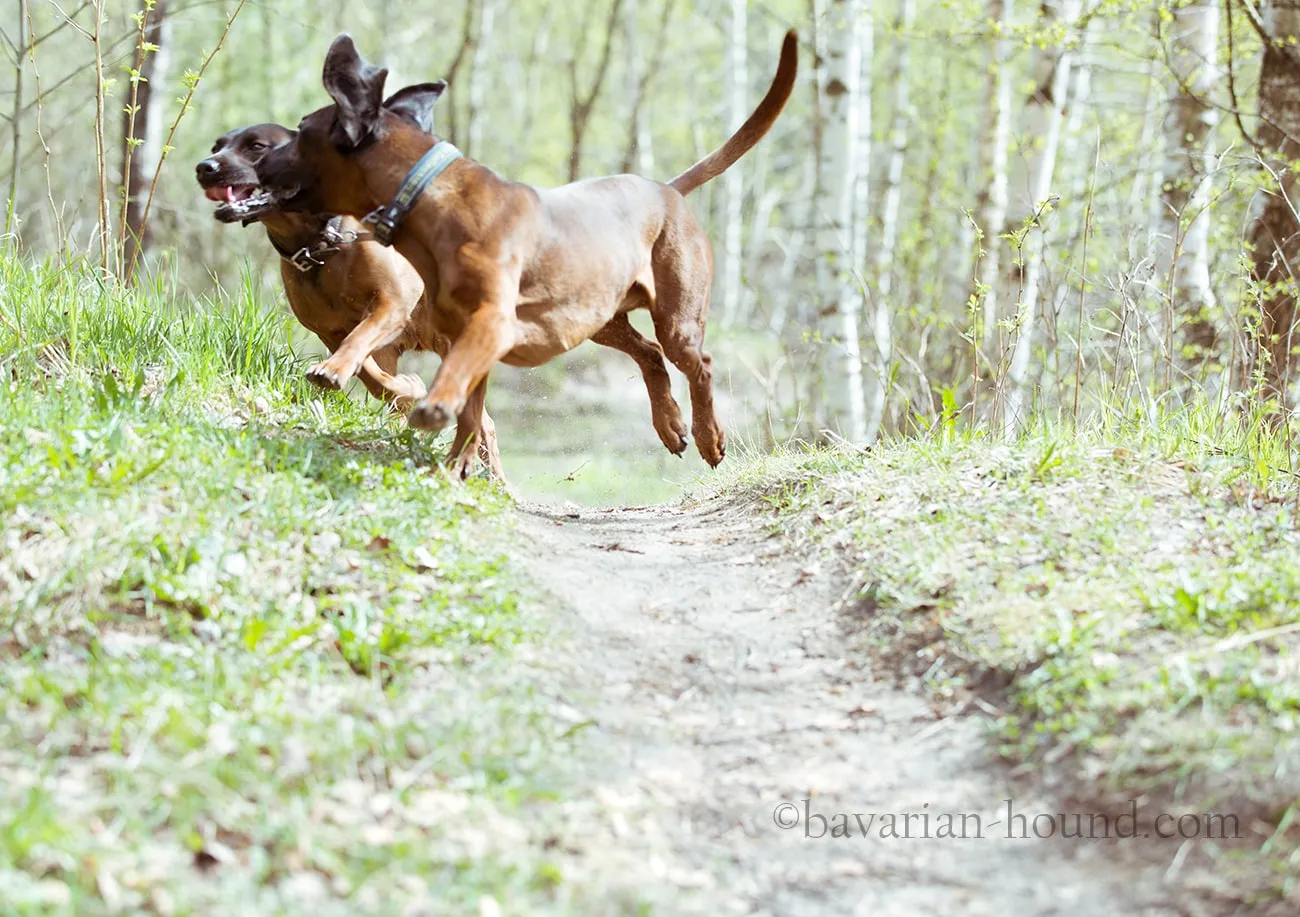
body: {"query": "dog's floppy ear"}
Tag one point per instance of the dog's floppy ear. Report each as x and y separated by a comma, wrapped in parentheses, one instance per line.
(356, 88)
(415, 103)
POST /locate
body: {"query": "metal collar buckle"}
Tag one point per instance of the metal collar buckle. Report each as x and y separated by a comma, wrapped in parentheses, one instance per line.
(305, 258)
(333, 237)
(382, 223)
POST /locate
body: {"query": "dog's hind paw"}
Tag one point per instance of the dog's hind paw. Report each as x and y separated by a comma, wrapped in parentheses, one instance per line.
(712, 443)
(429, 416)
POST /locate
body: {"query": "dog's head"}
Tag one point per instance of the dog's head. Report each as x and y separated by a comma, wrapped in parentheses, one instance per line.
(321, 169)
(229, 175)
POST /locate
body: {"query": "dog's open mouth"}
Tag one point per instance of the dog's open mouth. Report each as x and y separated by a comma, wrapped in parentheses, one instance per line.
(240, 202)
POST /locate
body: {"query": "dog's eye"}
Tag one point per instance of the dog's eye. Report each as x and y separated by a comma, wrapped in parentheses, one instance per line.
(257, 145)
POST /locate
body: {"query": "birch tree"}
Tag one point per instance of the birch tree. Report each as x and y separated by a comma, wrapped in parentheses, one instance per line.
(734, 179)
(1031, 252)
(891, 200)
(994, 199)
(837, 167)
(1147, 173)
(1183, 235)
(1073, 206)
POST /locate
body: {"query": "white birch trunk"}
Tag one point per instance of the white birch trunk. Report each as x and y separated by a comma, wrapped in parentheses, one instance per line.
(1074, 204)
(802, 216)
(864, 27)
(882, 327)
(1183, 231)
(837, 286)
(1032, 250)
(733, 180)
(993, 213)
(1139, 200)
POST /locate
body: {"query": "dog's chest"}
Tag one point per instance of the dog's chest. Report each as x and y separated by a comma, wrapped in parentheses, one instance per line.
(322, 303)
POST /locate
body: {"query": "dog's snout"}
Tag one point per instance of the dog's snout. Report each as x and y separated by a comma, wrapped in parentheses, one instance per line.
(208, 167)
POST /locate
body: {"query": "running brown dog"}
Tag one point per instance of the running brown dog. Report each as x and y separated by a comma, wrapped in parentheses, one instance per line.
(363, 300)
(519, 274)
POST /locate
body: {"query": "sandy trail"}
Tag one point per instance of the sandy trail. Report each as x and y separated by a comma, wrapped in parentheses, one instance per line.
(713, 664)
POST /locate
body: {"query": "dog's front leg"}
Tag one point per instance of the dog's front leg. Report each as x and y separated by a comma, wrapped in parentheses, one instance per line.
(380, 327)
(490, 334)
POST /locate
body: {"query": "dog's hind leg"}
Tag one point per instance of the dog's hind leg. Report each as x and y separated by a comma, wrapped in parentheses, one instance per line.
(380, 377)
(683, 268)
(667, 416)
(476, 437)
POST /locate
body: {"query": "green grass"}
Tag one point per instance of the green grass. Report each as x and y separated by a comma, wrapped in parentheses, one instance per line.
(1124, 601)
(254, 647)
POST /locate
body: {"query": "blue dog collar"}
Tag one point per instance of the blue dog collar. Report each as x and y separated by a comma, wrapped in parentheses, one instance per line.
(386, 219)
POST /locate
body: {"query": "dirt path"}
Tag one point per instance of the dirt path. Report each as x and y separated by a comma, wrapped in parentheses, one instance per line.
(714, 668)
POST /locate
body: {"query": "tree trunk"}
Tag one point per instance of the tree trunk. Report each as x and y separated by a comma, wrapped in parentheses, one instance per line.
(478, 78)
(638, 153)
(882, 326)
(733, 180)
(144, 130)
(993, 206)
(450, 73)
(838, 163)
(1075, 200)
(1140, 197)
(1184, 233)
(1275, 235)
(801, 218)
(582, 103)
(1032, 248)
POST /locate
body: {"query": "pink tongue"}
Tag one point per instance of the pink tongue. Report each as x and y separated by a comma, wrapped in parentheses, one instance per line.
(217, 194)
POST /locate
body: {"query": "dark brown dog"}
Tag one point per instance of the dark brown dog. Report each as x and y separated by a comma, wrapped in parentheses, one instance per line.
(520, 274)
(363, 300)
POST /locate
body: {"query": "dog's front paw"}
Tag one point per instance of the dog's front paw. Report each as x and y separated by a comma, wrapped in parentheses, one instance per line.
(431, 416)
(325, 376)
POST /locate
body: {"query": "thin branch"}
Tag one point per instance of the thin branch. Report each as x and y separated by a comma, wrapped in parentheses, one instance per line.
(101, 159)
(68, 20)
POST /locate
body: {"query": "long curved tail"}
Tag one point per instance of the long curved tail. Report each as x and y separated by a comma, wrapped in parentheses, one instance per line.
(753, 130)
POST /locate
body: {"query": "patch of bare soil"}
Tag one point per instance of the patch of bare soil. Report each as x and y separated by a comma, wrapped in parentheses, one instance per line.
(732, 729)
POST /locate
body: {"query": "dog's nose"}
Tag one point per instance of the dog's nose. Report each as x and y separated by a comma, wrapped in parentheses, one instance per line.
(208, 167)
